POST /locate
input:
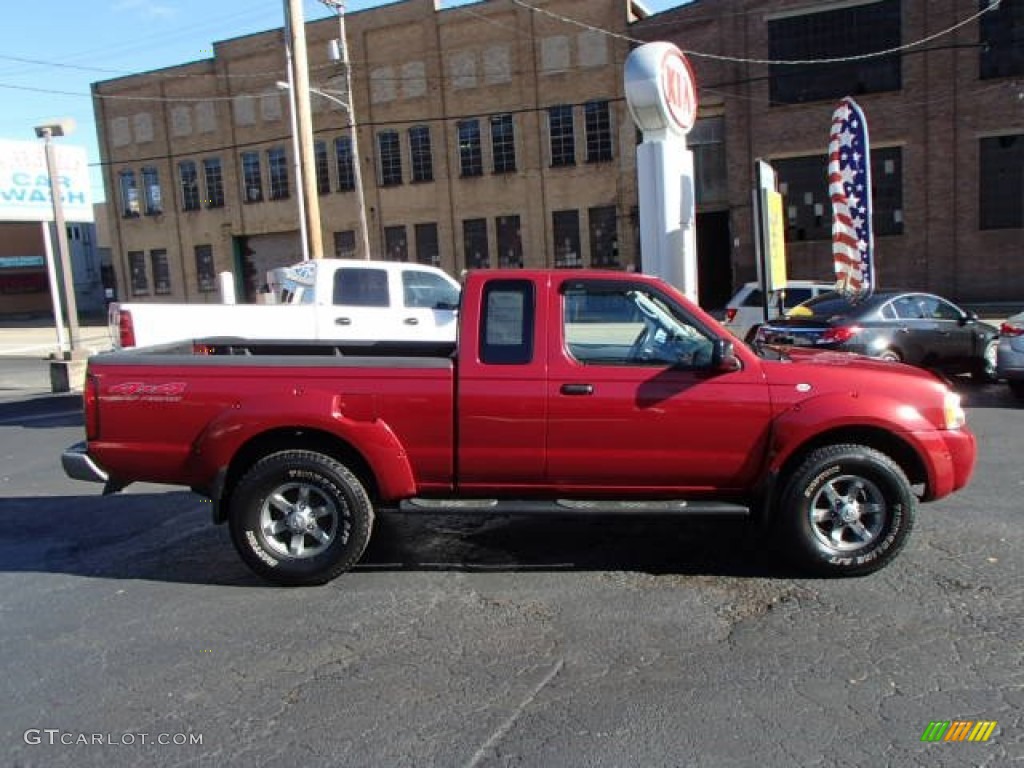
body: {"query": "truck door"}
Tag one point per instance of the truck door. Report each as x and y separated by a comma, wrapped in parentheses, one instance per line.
(427, 303)
(406, 304)
(633, 402)
(502, 387)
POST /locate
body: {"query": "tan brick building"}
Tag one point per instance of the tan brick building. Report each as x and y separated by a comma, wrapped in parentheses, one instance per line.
(489, 135)
(493, 134)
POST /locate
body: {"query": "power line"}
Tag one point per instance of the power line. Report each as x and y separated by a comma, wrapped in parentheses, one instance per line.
(993, 4)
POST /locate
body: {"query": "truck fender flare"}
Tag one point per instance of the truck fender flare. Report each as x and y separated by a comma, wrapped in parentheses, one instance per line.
(846, 413)
(372, 440)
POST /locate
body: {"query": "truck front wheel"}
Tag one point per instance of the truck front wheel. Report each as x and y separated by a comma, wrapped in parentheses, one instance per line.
(300, 518)
(846, 511)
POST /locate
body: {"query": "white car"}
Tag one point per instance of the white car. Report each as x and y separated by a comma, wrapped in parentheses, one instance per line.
(1010, 354)
(744, 312)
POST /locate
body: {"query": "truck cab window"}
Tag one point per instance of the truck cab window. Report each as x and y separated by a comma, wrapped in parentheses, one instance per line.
(361, 287)
(428, 291)
(506, 332)
(620, 324)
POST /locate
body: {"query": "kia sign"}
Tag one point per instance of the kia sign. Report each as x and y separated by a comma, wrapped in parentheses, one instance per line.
(661, 90)
(25, 183)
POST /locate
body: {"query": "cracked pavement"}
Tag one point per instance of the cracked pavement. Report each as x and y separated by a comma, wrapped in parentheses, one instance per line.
(510, 641)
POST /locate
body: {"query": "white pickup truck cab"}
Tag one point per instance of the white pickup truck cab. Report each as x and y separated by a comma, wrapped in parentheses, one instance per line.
(326, 299)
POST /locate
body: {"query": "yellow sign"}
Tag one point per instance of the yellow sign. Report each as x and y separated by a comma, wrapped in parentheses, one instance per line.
(776, 240)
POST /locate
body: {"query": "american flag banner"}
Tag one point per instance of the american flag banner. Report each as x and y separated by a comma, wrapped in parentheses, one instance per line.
(849, 186)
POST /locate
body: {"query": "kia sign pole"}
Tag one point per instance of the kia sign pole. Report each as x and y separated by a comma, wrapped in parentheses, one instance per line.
(662, 96)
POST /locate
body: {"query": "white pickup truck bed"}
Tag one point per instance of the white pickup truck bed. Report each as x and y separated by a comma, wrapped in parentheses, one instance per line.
(329, 299)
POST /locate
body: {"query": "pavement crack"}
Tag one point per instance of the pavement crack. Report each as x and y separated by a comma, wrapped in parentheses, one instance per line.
(510, 721)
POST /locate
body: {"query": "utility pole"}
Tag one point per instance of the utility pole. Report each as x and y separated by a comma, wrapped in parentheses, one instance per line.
(350, 102)
(300, 76)
(300, 191)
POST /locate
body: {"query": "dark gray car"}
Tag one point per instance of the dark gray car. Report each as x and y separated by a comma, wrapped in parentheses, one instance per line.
(916, 328)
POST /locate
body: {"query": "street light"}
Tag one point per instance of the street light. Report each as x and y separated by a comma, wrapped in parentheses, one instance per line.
(356, 171)
(47, 132)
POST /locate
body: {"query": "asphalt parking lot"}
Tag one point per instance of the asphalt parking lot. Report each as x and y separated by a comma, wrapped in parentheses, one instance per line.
(132, 634)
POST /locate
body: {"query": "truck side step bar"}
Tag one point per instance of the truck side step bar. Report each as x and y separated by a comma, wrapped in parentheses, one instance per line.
(575, 507)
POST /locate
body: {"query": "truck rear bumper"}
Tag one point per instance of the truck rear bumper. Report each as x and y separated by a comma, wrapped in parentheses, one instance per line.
(78, 465)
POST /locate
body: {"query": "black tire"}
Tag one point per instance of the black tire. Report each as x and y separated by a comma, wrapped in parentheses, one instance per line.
(984, 371)
(891, 355)
(1017, 388)
(299, 518)
(847, 510)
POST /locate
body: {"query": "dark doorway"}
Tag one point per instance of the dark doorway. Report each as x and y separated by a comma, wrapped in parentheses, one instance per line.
(714, 259)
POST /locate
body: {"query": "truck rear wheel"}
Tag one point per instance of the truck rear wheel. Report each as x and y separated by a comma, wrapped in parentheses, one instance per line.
(300, 518)
(846, 511)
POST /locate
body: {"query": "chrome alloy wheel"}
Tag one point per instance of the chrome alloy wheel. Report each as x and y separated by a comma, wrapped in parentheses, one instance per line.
(298, 520)
(848, 513)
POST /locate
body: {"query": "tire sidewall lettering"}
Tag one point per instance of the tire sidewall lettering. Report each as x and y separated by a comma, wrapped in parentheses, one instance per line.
(252, 538)
(819, 480)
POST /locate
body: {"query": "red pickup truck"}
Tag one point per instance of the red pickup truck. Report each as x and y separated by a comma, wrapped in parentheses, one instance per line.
(581, 392)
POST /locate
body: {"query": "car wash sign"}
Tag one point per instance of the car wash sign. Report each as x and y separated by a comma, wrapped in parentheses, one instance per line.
(25, 182)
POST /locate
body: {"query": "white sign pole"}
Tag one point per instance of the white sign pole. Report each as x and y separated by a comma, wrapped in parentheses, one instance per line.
(662, 97)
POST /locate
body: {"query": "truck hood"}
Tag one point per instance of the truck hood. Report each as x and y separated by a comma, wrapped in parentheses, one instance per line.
(843, 369)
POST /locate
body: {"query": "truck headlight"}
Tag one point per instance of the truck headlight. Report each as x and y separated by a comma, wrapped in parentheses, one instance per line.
(953, 411)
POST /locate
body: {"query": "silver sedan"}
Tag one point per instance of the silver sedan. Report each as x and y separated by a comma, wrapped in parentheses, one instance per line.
(1010, 354)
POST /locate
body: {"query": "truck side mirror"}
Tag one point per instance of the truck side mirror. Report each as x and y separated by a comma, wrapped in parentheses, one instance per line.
(723, 357)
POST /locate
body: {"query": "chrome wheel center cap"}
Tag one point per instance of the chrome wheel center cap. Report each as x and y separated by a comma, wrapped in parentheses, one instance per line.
(849, 513)
(301, 521)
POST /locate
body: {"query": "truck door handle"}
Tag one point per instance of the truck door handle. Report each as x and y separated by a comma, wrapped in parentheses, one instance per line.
(577, 389)
(342, 321)
(411, 321)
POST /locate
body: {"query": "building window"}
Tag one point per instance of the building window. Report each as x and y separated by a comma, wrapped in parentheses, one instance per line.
(471, 158)
(604, 238)
(205, 275)
(390, 158)
(161, 271)
(841, 32)
(707, 140)
(474, 239)
(427, 249)
(1002, 39)
(1001, 169)
(252, 177)
(803, 182)
(419, 146)
(214, 182)
(345, 244)
(277, 164)
(396, 245)
(597, 121)
(343, 159)
(137, 267)
(323, 178)
(510, 241)
(189, 185)
(566, 225)
(503, 144)
(563, 137)
(151, 187)
(129, 194)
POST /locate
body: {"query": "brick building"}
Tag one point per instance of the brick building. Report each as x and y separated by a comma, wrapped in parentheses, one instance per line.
(946, 120)
(489, 135)
(494, 135)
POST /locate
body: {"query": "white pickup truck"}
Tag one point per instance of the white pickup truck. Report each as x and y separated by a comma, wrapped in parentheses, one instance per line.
(327, 299)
